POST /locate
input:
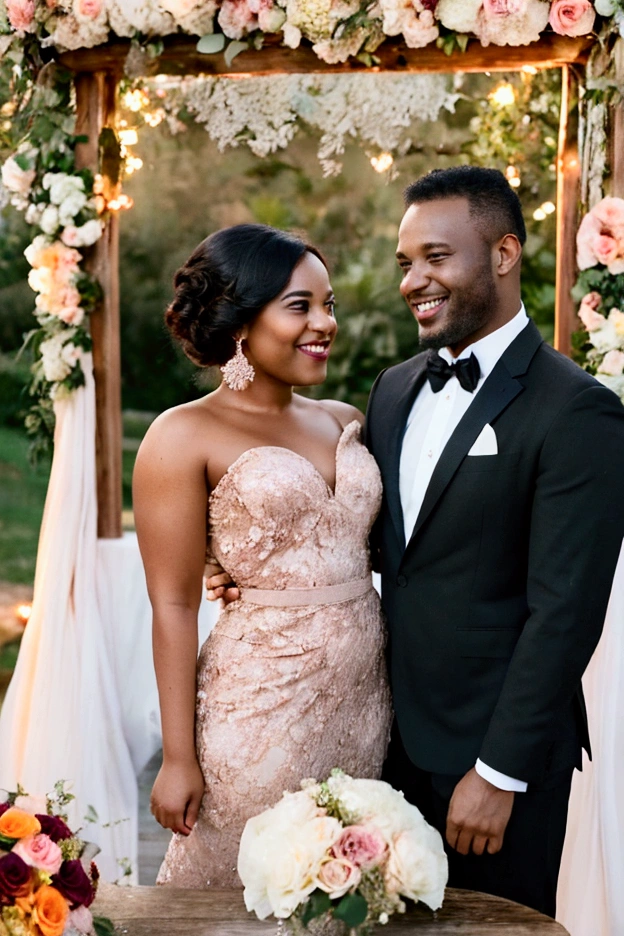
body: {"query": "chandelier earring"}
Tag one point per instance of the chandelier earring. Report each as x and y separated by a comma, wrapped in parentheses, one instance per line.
(238, 373)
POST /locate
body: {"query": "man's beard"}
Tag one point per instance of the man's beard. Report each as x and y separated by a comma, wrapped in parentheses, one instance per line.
(473, 310)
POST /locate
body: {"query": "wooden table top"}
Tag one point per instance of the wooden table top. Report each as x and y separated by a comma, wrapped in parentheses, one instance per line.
(169, 911)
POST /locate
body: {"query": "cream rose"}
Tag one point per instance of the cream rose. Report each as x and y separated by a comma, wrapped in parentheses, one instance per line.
(35, 805)
(612, 363)
(337, 876)
(15, 179)
(49, 220)
(572, 17)
(417, 866)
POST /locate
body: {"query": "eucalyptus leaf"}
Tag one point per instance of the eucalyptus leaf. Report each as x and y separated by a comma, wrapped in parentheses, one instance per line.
(352, 909)
(234, 49)
(103, 926)
(210, 44)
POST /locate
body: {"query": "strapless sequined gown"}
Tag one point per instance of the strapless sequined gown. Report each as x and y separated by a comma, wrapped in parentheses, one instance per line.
(285, 693)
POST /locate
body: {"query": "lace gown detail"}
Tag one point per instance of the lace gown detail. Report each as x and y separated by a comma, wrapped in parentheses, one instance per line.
(285, 693)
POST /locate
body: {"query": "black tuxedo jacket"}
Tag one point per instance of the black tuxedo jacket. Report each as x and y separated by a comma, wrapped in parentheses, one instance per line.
(496, 603)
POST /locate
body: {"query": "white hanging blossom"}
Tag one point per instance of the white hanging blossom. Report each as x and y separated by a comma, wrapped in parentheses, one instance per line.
(266, 112)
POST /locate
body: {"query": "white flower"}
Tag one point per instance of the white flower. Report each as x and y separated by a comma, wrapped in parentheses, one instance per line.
(32, 804)
(49, 220)
(15, 179)
(605, 7)
(417, 866)
(613, 383)
(292, 36)
(62, 186)
(461, 16)
(612, 363)
(34, 250)
(281, 852)
(33, 213)
(82, 236)
(71, 206)
(59, 356)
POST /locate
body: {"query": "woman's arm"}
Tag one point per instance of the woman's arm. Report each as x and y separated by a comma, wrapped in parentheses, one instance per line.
(170, 500)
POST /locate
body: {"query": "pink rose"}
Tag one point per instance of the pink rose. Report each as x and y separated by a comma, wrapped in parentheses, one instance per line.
(363, 846)
(21, 14)
(572, 17)
(612, 364)
(87, 9)
(610, 213)
(337, 876)
(236, 18)
(588, 312)
(39, 851)
(605, 248)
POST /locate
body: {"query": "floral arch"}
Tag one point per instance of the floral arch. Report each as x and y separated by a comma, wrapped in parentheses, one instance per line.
(69, 55)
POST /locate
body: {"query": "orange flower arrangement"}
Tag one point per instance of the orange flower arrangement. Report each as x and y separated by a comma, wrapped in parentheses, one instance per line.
(50, 911)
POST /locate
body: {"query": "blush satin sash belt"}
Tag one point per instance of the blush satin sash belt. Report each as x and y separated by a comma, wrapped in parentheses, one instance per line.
(299, 597)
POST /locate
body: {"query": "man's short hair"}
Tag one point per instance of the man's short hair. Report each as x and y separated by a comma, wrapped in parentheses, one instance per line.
(493, 203)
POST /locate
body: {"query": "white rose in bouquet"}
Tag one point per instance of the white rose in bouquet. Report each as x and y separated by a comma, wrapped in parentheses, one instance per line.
(281, 853)
(82, 236)
(57, 357)
(33, 213)
(71, 206)
(417, 867)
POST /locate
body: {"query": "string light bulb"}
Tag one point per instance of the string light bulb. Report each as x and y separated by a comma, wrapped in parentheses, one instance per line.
(504, 95)
(382, 162)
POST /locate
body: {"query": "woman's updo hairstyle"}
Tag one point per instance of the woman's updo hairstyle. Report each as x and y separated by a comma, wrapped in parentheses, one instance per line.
(225, 282)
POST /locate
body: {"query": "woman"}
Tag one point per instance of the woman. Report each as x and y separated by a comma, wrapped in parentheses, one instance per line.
(291, 682)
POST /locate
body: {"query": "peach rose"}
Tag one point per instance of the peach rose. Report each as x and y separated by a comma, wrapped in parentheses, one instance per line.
(50, 911)
(337, 876)
(16, 824)
(21, 14)
(611, 364)
(87, 9)
(39, 851)
(589, 314)
(606, 249)
(363, 846)
(572, 17)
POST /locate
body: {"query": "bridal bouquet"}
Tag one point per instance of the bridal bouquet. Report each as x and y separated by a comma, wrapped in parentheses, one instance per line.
(343, 852)
(45, 889)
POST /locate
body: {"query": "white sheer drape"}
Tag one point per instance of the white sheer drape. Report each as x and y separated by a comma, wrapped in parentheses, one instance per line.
(82, 705)
(590, 899)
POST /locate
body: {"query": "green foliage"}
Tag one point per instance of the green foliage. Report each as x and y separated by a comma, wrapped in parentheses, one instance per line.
(22, 496)
(353, 909)
(598, 279)
(317, 904)
(103, 926)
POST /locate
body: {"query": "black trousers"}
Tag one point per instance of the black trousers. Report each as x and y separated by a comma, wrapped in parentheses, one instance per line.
(527, 866)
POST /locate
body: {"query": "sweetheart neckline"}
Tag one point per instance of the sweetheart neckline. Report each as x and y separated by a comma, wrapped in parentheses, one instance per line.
(282, 448)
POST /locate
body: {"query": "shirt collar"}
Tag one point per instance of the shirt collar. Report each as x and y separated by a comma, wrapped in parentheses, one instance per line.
(488, 350)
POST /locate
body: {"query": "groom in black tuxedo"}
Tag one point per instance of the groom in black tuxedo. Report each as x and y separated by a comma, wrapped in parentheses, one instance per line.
(502, 521)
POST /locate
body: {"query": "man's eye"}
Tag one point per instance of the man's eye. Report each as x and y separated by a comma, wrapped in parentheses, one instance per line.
(434, 258)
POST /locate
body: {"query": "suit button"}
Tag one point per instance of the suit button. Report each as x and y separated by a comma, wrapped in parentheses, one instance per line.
(402, 581)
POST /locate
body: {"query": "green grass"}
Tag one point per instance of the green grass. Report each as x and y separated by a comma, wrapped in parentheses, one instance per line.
(22, 496)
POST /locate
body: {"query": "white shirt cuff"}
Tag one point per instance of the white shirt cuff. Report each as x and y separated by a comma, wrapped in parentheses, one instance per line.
(500, 780)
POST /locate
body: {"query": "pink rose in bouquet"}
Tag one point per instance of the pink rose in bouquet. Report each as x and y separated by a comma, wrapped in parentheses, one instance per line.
(572, 17)
(364, 846)
(41, 852)
(511, 22)
(88, 9)
(236, 18)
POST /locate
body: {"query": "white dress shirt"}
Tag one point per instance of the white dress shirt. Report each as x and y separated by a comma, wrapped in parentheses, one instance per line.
(431, 422)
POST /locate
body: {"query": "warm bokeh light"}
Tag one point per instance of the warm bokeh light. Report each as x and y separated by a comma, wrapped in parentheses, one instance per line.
(548, 207)
(128, 137)
(153, 118)
(23, 612)
(529, 69)
(136, 100)
(513, 176)
(121, 203)
(382, 162)
(539, 214)
(503, 95)
(133, 164)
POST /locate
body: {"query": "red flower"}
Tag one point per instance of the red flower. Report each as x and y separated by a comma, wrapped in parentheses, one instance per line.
(14, 874)
(74, 884)
(54, 827)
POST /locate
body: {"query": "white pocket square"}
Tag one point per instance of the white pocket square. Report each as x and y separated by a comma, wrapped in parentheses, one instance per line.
(486, 443)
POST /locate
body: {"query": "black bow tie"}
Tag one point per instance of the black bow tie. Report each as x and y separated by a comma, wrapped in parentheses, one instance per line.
(466, 370)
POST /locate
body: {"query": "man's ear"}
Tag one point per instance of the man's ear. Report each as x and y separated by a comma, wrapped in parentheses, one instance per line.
(507, 254)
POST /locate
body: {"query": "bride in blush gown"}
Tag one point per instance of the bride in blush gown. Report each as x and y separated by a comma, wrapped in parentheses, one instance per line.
(281, 493)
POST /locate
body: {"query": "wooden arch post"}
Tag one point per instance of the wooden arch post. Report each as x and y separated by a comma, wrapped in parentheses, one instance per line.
(95, 105)
(96, 79)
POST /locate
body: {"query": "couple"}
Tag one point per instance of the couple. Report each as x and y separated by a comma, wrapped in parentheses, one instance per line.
(501, 521)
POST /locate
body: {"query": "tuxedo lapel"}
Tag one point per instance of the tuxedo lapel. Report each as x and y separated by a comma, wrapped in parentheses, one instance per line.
(397, 422)
(498, 391)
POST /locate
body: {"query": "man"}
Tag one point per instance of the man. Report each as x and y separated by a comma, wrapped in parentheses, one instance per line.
(502, 521)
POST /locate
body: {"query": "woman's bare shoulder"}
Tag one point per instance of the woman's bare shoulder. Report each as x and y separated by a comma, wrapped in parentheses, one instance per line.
(343, 412)
(182, 428)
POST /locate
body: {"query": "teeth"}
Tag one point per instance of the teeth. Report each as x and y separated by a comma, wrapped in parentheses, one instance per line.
(425, 306)
(315, 349)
